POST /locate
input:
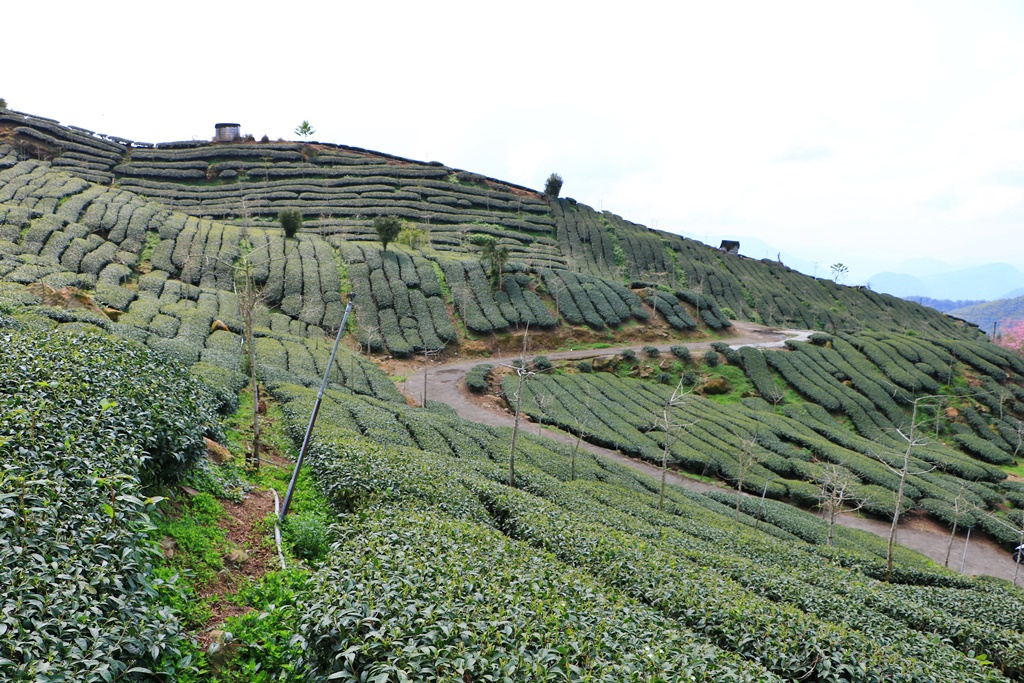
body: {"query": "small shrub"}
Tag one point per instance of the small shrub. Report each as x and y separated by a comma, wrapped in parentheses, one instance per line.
(665, 378)
(732, 356)
(307, 533)
(711, 358)
(553, 185)
(820, 338)
(628, 354)
(478, 377)
(291, 221)
(387, 228)
(689, 378)
(682, 353)
(652, 351)
(584, 366)
(542, 363)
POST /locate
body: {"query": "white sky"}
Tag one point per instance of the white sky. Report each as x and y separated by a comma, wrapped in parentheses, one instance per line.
(864, 132)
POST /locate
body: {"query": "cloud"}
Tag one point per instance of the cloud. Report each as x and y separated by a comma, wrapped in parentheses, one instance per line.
(803, 154)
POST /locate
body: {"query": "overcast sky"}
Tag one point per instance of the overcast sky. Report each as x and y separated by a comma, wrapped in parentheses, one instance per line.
(863, 132)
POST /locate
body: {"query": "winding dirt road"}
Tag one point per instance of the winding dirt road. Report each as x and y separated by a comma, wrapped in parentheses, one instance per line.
(445, 384)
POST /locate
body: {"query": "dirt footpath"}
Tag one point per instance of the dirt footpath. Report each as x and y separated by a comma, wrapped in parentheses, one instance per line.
(445, 384)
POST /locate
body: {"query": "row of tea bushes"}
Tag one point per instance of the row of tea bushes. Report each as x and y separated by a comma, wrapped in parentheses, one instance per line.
(607, 527)
(399, 298)
(88, 424)
(444, 620)
(769, 453)
(342, 185)
(586, 300)
(486, 309)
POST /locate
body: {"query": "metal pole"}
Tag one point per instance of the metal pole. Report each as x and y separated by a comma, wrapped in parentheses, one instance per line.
(312, 417)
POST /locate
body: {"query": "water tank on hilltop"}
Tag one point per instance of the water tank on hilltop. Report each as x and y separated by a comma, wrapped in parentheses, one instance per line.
(227, 132)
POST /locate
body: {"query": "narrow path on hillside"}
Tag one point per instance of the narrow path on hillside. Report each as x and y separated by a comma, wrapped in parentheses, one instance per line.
(445, 383)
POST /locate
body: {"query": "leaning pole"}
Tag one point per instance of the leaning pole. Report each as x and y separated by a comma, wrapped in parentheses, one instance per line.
(312, 417)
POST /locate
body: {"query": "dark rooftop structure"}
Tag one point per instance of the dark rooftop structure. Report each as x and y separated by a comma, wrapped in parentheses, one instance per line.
(730, 247)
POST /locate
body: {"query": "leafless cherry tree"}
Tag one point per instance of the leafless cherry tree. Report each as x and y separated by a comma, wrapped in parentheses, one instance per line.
(913, 439)
(836, 487)
(667, 420)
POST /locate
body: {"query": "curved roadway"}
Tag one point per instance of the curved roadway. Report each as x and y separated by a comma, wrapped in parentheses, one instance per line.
(445, 384)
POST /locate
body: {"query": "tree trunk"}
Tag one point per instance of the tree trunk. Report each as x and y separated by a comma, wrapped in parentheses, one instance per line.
(254, 459)
(896, 518)
(515, 430)
(664, 474)
(949, 546)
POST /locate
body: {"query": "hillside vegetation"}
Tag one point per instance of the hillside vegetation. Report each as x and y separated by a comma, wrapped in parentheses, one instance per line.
(122, 264)
(985, 314)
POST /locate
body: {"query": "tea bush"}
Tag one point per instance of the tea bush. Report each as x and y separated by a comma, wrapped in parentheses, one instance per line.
(87, 422)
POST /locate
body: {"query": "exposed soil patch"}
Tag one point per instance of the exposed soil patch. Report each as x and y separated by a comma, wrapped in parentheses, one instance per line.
(252, 556)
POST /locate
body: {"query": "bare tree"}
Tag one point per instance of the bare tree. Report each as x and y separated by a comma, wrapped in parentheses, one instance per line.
(667, 420)
(250, 298)
(836, 493)
(543, 400)
(1019, 429)
(962, 506)
(521, 369)
(581, 432)
(749, 456)
(653, 293)
(1018, 555)
(557, 286)
(913, 440)
(429, 354)
(938, 414)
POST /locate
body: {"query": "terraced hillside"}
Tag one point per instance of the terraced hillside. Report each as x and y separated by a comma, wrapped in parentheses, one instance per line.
(451, 212)
(457, 556)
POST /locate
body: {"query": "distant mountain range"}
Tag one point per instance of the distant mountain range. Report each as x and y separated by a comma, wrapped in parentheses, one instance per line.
(986, 313)
(943, 305)
(985, 283)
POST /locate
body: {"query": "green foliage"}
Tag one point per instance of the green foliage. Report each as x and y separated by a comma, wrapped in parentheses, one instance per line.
(308, 536)
(553, 185)
(478, 377)
(199, 543)
(542, 363)
(387, 228)
(494, 257)
(681, 352)
(732, 356)
(548, 619)
(87, 420)
(414, 237)
(291, 222)
(304, 130)
(710, 358)
(267, 649)
(651, 351)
